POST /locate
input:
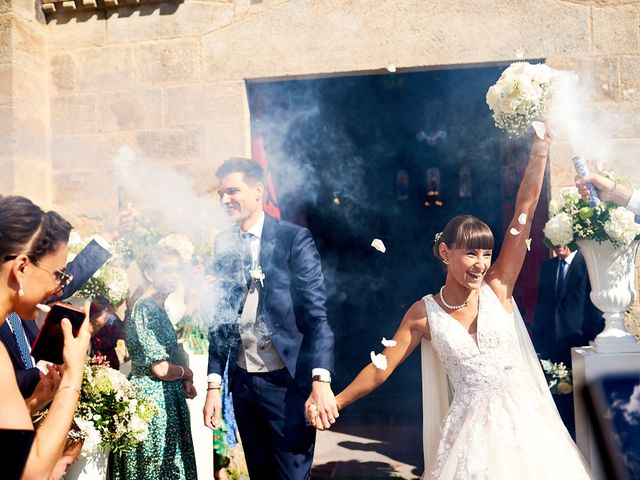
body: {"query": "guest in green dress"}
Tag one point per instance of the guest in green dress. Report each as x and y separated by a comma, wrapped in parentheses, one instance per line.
(167, 452)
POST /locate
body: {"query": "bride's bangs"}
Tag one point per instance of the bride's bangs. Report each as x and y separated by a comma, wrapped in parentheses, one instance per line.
(474, 234)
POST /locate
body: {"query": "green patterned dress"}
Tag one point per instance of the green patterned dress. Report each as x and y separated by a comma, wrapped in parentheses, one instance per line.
(167, 452)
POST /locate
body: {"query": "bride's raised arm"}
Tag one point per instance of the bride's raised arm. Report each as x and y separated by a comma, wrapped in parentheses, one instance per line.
(504, 272)
(408, 336)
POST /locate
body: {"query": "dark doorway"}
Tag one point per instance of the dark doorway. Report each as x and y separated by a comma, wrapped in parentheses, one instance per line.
(393, 157)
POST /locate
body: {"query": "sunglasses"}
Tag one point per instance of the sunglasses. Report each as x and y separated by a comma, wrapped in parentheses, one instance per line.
(62, 278)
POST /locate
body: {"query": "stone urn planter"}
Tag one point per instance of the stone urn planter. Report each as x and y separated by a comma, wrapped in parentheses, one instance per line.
(612, 274)
(90, 465)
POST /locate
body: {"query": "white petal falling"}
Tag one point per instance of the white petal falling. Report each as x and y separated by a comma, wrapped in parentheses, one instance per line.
(378, 245)
(528, 244)
(514, 232)
(540, 129)
(522, 218)
(388, 343)
(43, 308)
(391, 68)
(379, 360)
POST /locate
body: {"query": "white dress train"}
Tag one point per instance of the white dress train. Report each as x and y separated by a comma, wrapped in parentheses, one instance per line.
(501, 422)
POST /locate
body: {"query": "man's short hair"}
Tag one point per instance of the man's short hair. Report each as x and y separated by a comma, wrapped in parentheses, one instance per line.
(250, 168)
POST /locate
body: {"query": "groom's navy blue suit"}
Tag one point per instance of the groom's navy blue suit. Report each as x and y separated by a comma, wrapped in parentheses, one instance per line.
(269, 407)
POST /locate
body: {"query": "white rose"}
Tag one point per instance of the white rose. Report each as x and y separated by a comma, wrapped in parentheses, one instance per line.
(554, 208)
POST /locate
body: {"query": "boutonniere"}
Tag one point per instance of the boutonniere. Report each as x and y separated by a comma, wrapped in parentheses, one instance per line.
(257, 275)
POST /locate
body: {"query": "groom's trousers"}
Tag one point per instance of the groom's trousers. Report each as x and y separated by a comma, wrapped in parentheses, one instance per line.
(278, 443)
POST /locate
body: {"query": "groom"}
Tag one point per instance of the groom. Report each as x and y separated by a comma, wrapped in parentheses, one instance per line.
(270, 330)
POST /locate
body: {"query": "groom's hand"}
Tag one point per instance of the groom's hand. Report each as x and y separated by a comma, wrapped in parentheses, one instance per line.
(326, 408)
(213, 408)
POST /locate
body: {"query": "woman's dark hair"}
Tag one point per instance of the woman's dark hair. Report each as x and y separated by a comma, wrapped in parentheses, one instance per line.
(99, 305)
(464, 231)
(26, 228)
(250, 168)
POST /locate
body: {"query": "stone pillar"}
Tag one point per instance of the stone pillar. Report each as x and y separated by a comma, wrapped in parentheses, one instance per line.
(24, 106)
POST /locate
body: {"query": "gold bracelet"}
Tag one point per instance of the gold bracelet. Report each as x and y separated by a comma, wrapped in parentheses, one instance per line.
(71, 387)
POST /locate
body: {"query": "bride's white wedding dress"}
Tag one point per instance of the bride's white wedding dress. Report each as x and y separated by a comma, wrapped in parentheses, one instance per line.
(501, 422)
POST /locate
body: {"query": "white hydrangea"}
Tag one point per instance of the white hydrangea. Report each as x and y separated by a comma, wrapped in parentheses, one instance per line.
(554, 208)
(91, 434)
(559, 229)
(621, 226)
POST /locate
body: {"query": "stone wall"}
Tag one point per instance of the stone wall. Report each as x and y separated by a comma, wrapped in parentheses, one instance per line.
(170, 79)
(25, 165)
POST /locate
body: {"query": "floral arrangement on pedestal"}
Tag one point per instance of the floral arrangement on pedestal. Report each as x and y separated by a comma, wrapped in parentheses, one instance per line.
(110, 281)
(522, 95)
(573, 218)
(112, 413)
(558, 377)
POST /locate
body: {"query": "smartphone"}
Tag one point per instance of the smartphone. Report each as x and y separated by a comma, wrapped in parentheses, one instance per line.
(49, 343)
(613, 405)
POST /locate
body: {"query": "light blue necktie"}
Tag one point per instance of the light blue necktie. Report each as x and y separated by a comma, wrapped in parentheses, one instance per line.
(21, 338)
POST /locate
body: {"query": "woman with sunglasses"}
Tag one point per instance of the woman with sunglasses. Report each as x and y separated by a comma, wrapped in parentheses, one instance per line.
(33, 254)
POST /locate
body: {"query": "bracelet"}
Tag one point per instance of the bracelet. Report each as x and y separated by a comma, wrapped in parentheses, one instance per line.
(182, 371)
(213, 388)
(70, 387)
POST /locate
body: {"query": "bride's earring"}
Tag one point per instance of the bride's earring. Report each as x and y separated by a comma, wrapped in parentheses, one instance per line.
(20, 291)
(445, 261)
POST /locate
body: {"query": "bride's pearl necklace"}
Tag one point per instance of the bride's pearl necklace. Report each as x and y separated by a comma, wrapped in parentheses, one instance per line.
(454, 307)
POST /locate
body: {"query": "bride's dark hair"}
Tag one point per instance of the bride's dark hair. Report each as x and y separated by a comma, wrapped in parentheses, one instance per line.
(464, 231)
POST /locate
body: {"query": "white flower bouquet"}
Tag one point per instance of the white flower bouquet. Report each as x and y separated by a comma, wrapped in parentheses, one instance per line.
(110, 281)
(573, 218)
(558, 377)
(521, 96)
(111, 406)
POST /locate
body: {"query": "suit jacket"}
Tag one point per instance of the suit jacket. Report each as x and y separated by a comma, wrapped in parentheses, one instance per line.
(571, 320)
(292, 301)
(86, 263)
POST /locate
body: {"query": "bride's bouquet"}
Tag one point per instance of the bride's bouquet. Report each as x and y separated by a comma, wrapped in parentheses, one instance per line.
(111, 409)
(521, 96)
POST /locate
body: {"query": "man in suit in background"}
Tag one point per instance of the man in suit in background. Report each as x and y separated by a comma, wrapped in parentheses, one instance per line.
(270, 330)
(565, 317)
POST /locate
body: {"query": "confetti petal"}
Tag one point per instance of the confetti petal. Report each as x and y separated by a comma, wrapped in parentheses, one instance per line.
(43, 308)
(528, 243)
(378, 245)
(522, 219)
(514, 232)
(391, 68)
(388, 343)
(379, 360)
(540, 129)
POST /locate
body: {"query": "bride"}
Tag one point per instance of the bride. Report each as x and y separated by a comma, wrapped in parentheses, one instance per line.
(500, 422)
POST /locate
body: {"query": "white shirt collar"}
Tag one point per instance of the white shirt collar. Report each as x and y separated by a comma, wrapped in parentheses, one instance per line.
(570, 258)
(256, 230)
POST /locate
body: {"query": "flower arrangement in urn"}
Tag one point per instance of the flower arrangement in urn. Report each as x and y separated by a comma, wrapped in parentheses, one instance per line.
(111, 410)
(573, 218)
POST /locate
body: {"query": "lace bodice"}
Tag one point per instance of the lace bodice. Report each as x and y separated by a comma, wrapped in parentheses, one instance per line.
(478, 368)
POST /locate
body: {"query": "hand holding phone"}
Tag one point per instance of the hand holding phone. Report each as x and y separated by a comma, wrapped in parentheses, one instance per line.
(49, 343)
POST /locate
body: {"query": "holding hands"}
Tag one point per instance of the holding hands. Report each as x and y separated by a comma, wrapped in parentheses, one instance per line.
(321, 408)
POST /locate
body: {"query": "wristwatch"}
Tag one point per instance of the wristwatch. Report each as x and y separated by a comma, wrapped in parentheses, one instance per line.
(324, 378)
